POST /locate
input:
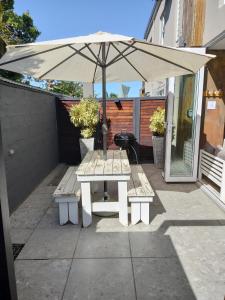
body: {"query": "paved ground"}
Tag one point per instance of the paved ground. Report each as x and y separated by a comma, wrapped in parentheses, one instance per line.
(181, 255)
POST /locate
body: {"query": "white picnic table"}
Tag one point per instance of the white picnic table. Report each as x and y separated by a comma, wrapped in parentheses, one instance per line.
(94, 168)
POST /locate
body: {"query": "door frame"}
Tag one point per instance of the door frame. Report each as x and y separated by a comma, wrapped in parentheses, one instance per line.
(199, 82)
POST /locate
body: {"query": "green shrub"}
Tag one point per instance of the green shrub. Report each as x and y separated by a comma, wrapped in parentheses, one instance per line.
(85, 115)
(157, 122)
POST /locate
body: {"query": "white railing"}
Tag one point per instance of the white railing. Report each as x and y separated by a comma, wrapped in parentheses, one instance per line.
(214, 169)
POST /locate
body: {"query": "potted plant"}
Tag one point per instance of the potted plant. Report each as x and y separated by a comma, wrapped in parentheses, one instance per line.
(157, 127)
(85, 115)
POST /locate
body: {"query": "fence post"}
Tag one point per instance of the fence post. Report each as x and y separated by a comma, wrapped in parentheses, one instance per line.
(7, 274)
(136, 118)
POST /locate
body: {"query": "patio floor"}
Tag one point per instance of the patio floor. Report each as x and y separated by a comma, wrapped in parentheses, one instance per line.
(180, 255)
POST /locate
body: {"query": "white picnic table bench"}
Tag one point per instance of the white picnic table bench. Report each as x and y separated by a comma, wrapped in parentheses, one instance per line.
(133, 186)
(67, 195)
(94, 168)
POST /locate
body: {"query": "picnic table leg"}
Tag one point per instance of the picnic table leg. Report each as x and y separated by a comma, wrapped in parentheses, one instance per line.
(63, 213)
(73, 212)
(135, 212)
(86, 203)
(145, 212)
(123, 207)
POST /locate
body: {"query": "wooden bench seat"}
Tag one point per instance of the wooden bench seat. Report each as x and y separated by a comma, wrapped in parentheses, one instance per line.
(67, 195)
(140, 194)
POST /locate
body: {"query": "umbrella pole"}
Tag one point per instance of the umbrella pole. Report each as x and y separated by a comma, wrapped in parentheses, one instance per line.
(104, 125)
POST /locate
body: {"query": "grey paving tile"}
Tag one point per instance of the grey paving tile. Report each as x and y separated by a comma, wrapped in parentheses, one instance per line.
(206, 275)
(20, 236)
(201, 251)
(100, 279)
(37, 201)
(41, 279)
(50, 243)
(148, 244)
(109, 224)
(51, 220)
(161, 278)
(101, 244)
(206, 243)
(45, 190)
(26, 218)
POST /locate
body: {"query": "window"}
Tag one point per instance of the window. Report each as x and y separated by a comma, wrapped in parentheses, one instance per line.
(162, 29)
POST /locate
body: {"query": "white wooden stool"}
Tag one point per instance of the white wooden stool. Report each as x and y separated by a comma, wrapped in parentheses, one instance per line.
(67, 195)
(140, 194)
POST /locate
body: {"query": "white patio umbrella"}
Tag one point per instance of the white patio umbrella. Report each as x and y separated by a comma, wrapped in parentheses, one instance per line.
(101, 57)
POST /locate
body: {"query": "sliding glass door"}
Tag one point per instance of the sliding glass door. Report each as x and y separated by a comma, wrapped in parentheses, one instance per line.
(183, 127)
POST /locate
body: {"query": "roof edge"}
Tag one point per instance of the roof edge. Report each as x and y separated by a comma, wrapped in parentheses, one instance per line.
(152, 16)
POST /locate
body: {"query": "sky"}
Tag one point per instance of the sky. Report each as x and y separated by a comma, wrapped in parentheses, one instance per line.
(60, 19)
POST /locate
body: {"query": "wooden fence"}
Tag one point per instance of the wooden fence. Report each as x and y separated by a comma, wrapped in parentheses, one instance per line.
(131, 115)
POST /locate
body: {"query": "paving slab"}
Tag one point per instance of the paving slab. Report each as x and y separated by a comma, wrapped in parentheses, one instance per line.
(148, 244)
(20, 236)
(102, 244)
(37, 201)
(51, 220)
(27, 218)
(106, 224)
(161, 278)
(45, 190)
(50, 243)
(100, 279)
(41, 279)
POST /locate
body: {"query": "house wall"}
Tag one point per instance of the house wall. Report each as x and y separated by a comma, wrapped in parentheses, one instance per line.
(168, 9)
(30, 141)
(214, 19)
(131, 115)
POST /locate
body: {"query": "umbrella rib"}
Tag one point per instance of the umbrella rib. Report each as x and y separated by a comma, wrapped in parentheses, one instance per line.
(96, 57)
(127, 60)
(31, 55)
(96, 65)
(83, 55)
(164, 59)
(120, 53)
(125, 55)
(60, 63)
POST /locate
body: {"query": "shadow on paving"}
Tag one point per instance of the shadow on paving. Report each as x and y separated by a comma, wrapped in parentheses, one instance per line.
(172, 258)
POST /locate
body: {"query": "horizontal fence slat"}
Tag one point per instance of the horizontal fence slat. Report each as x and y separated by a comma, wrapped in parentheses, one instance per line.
(210, 169)
(212, 156)
(212, 166)
(211, 176)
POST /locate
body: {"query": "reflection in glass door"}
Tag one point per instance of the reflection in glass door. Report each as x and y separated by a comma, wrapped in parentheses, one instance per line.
(183, 127)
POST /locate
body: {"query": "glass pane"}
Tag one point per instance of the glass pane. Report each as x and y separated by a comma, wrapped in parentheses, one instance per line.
(183, 131)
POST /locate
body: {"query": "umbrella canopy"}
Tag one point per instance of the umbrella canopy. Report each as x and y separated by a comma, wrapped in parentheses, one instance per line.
(81, 59)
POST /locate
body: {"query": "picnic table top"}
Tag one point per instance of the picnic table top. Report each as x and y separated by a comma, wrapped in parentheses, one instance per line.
(117, 163)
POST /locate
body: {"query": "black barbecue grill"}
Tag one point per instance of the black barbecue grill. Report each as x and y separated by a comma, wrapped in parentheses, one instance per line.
(126, 140)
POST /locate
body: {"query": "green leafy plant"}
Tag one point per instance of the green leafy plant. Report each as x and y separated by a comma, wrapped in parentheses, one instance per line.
(85, 115)
(74, 89)
(157, 122)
